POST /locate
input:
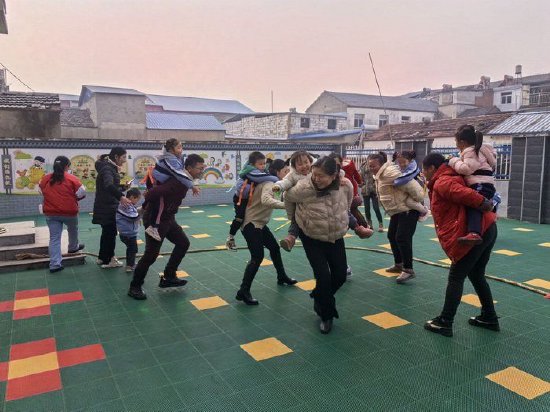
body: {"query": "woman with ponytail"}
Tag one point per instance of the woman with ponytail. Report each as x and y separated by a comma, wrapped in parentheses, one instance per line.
(61, 191)
(476, 163)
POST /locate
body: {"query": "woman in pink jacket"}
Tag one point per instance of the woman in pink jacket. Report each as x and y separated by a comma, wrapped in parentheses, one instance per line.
(476, 163)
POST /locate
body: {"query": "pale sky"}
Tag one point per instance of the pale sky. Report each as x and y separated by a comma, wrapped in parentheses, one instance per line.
(243, 49)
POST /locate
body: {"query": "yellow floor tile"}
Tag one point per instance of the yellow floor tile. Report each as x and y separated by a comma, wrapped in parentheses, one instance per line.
(506, 252)
(229, 222)
(184, 226)
(430, 225)
(209, 303)
(522, 229)
(446, 261)
(385, 246)
(140, 242)
(547, 244)
(383, 272)
(266, 262)
(33, 365)
(31, 303)
(201, 236)
(185, 207)
(348, 235)
(435, 239)
(540, 283)
(197, 211)
(280, 219)
(307, 285)
(220, 247)
(473, 300)
(520, 382)
(266, 349)
(386, 320)
(214, 216)
(181, 274)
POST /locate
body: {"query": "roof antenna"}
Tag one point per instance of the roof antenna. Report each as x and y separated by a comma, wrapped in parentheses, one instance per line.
(382, 100)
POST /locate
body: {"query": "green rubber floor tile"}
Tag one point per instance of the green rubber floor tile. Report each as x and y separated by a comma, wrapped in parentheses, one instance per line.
(159, 399)
(155, 325)
(75, 327)
(51, 401)
(229, 358)
(203, 389)
(82, 338)
(162, 338)
(420, 384)
(192, 330)
(111, 406)
(479, 362)
(350, 372)
(440, 345)
(23, 335)
(271, 397)
(124, 345)
(32, 323)
(213, 343)
(90, 393)
(538, 367)
(322, 355)
(109, 320)
(451, 400)
(181, 349)
(450, 372)
(141, 380)
(380, 395)
(129, 362)
(355, 347)
(228, 404)
(181, 370)
(88, 372)
(532, 346)
(247, 376)
(71, 316)
(248, 333)
(505, 353)
(289, 364)
(311, 384)
(68, 307)
(110, 333)
(337, 402)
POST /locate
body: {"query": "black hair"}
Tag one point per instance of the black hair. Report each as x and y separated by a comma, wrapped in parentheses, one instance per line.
(276, 165)
(381, 157)
(59, 165)
(327, 164)
(192, 160)
(133, 192)
(334, 155)
(433, 159)
(171, 144)
(254, 157)
(298, 155)
(394, 156)
(410, 155)
(115, 151)
(467, 133)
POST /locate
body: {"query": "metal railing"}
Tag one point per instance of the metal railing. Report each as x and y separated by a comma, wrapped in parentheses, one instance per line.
(539, 99)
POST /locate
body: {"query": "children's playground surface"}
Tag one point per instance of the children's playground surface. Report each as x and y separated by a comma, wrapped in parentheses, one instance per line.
(74, 340)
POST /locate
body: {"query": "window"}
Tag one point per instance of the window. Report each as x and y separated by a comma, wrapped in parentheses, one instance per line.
(405, 119)
(358, 120)
(331, 124)
(304, 122)
(383, 120)
(506, 98)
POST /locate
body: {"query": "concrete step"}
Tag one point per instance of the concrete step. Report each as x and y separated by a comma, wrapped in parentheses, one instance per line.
(40, 246)
(12, 266)
(17, 233)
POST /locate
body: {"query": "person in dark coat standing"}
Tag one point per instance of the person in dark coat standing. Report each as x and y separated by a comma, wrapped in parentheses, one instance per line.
(109, 194)
(173, 192)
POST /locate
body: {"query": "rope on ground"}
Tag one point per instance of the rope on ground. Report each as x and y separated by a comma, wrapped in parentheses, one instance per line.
(283, 225)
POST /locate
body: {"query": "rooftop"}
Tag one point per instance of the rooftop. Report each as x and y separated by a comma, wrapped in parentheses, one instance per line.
(390, 102)
(178, 121)
(528, 123)
(16, 100)
(74, 117)
(197, 104)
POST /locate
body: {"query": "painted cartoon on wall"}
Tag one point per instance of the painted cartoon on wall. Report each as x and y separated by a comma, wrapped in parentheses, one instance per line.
(83, 167)
(220, 168)
(29, 170)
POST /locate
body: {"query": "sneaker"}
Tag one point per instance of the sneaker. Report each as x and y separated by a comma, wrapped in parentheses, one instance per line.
(381, 228)
(154, 233)
(439, 325)
(230, 243)
(78, 249)
(325, 326)
(114, 263)
(137, 293)
(406, 275)
(171, 282)
(363, 232)
(57, 269)
(99, 262)
(288, 243)
(349, 273)
(470, 239)
(397, 268)
(486, 324)
(424, 216)
(130, 269)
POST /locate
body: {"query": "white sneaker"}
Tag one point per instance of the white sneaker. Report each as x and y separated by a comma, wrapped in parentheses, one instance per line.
(230, 243)
(130, 269)
(153, 232)
(114, 263)
(349, 273)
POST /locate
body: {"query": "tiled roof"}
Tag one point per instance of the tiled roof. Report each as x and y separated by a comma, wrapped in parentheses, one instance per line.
(72, 117)
(197, 104)
(480, 111)
(177, 121)
(436, 129)
(524, 124)
(391, 102)
(111, 90)
(29, 100)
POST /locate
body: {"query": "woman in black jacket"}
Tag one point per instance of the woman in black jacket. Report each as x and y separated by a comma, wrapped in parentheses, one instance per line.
(109, 194)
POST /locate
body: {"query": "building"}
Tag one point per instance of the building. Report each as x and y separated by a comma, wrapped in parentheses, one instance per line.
(371, 112)
(3, 22)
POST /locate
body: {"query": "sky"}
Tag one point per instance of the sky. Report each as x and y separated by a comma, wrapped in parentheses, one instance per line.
(244, 49)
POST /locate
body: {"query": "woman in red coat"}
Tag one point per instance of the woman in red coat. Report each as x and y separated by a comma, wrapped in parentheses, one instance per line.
(449, 198)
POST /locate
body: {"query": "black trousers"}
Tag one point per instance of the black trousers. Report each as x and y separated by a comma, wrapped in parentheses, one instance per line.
(329, 264)
(107, 242)
(131, 249)
(487, 190)
(366, 203)
(356, 213)
(400, 234)
(240, 211)
(175, 235)
(472, 266)
(256, 240)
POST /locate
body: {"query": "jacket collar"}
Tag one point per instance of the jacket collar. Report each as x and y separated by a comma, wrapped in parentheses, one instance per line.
(444, 170)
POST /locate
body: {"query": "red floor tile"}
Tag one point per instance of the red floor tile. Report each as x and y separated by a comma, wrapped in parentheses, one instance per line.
(33, 385)
(27, 294)
(31, 312)
(26, 350)
(77, 356)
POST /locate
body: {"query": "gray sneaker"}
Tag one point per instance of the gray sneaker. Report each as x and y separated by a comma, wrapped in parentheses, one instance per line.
(406, 275)
(349, 273)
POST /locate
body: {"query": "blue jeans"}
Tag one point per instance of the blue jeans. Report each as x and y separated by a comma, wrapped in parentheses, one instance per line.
(55, 224)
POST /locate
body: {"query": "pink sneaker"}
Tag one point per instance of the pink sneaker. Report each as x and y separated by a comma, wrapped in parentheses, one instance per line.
(471, 239)
(288, 243)
(363, 232)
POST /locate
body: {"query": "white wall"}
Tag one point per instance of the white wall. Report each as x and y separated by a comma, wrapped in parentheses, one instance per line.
(372, 115)
(516, 91)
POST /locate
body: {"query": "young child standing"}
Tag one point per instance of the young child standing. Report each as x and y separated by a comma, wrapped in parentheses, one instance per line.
(127, 223)
(169, 164)
(476, 163)
(252, 174)
(410, 170)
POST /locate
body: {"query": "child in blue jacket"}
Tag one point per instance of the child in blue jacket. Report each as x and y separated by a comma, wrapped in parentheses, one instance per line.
(127, 223)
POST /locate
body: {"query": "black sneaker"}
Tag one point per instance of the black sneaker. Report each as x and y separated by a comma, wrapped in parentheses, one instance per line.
(58, 269)
(439, 325)
(171, 282)
(486, 324)
(78, 249)
(137, 293)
